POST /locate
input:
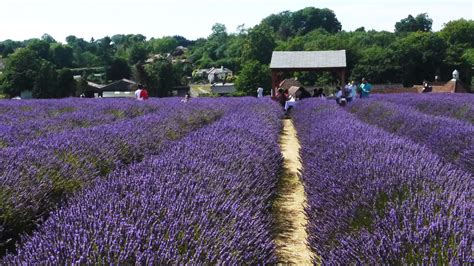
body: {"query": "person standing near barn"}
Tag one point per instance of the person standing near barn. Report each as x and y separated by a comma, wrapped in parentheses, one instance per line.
(260, 92)
(138, 92)
(365, 88)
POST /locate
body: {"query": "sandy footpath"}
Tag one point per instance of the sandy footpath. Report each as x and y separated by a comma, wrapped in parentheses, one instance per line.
(288, 209)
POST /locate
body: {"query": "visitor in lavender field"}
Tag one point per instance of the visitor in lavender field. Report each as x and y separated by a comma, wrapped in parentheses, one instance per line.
(260, 92)
(426, 86)
(138, 92)
(144, 94)
(347, 93)
(281, 97)
(339, 95)
(186, 98)
(353, 90)
(365, 88)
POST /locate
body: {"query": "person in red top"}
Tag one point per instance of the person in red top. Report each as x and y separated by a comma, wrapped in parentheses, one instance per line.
(144, 94)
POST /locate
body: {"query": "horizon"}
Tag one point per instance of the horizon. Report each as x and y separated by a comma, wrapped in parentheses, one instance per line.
(107, 18)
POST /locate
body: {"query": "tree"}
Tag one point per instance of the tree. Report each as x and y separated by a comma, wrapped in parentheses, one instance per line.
(163, 45)
(8, 47)
(41, 48)
(20, 72)
(48, 38)
(459, 31)
(253, 75)
(45, 84)
(159, 76)
(61, 55)
(259, 44)
(411, 24)
(119, 69)
(66, 85)
(138, 52)
(419, 56)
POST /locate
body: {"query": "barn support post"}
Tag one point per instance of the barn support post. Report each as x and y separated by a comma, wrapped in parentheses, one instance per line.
(342, 76)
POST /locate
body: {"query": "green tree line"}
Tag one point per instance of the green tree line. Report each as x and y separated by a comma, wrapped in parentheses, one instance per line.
(408, 55)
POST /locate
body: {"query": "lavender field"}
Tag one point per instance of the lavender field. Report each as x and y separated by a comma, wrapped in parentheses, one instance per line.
(387, 180)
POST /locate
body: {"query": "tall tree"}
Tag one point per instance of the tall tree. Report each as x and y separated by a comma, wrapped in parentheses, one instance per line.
(61, 55)
(46, 81)
(411, 24)
(66, 85)
(259, 44)
(160, 78)
(20, 73)
(253, 75)
(119, 69)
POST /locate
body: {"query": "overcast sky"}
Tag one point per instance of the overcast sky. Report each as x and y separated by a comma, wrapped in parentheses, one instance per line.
(24, 19)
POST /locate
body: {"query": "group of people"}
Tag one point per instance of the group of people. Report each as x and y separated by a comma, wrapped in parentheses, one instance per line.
(351, 91)
(141, 93)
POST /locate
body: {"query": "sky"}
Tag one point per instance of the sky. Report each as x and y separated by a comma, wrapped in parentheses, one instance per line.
(192, 19)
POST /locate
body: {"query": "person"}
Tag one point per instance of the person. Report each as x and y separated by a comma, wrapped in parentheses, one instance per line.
(281, 97)
(347, 94)
(186, 98)
(365, 88)
(144, 94)
(138, 92)
(339, 95)
(426, 86)
(353, 90)
(259, 92)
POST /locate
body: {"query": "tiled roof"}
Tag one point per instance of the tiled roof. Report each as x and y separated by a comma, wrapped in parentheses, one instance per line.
(308, 59)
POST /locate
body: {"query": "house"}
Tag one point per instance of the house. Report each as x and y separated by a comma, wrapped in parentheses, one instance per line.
(93, 90)
(223, 89)
(119, 88)
(218, 74)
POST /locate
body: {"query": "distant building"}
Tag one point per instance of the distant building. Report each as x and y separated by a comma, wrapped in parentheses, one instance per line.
(119, 88)
(223, 89)
(218, 74)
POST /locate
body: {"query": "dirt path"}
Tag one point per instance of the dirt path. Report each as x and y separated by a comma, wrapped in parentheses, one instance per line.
(288, 208)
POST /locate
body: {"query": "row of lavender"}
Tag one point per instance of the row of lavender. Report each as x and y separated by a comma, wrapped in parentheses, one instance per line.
(459, 105)
(38, 175)
(24, 121)
(449, 138)
(376, 198)
(204, 199)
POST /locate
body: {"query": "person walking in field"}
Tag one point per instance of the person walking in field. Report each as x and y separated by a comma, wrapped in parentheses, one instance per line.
(365, 88)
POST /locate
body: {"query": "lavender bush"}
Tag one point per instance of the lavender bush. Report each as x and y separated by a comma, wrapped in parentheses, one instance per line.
(457, 105)
(451, 139)
(32, 120)
(203, 199)
(377, 198)
(36, 176)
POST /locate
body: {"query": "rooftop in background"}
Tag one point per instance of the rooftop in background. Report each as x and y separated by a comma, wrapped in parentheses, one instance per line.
(308, 59)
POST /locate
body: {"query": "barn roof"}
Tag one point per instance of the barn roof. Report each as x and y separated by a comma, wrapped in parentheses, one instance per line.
(308, 59)
(120, 85)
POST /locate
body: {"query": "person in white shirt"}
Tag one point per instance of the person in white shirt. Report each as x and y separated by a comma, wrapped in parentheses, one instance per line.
(138, 92)
(260, 92)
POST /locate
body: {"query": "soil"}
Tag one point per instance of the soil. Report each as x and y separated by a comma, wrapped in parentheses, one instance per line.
(288, 208)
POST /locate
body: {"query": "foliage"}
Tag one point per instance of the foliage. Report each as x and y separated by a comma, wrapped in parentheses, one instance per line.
(253, 75)
(118, 69)
(412, 24)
